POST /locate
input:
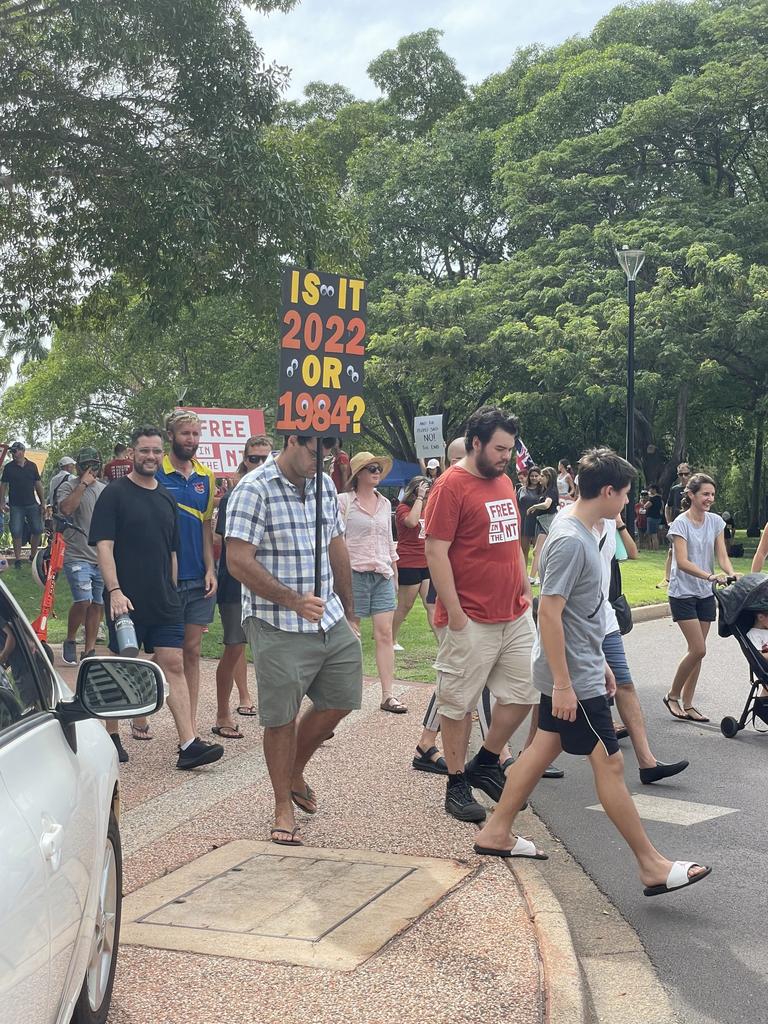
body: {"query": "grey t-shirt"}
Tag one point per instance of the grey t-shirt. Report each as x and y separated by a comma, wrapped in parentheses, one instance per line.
(571, 567)
(701, 551)
(78, 549)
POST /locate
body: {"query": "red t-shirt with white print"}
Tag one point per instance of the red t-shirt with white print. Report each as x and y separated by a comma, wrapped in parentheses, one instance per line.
(481, 519)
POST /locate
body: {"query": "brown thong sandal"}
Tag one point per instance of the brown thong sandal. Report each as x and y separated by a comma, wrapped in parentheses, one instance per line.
(247, 710)
(306, 801)
(291, 833)
(700, 718)
(675, 700)
(227, 732)
(141, 732)
(393, 705)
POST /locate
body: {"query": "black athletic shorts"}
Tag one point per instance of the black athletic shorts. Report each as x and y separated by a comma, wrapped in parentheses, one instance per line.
(431, 593)
(412, 577)
(689, 608)
(593, 725)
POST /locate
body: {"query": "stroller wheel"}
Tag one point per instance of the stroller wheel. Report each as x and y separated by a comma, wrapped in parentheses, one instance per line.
(729, 727)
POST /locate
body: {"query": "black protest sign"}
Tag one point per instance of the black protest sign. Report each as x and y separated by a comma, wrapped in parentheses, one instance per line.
(323, 338)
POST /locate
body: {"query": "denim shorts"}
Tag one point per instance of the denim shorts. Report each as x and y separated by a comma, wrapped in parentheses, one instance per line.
(373, 594)
(652, 526)
(613, 649)
(196, 608)
(30, 514)
(85, 581)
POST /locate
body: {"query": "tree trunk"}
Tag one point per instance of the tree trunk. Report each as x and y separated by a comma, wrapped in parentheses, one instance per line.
(669, 476)
(755, 517)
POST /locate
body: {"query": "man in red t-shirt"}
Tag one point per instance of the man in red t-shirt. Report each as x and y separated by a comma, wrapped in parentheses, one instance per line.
(476, 562)
(120, 466)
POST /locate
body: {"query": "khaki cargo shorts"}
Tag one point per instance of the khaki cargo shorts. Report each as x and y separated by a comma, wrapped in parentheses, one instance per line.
(492, 654)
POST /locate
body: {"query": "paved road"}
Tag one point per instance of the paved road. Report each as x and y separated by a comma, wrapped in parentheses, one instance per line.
(709, 943)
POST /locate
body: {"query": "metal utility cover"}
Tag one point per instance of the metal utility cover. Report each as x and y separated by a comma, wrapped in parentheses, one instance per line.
(258, 901)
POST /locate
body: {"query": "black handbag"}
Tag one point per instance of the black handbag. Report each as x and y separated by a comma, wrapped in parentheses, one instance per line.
(619, 603)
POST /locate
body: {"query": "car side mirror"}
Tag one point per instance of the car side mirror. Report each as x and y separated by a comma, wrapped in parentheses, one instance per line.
(114, 688)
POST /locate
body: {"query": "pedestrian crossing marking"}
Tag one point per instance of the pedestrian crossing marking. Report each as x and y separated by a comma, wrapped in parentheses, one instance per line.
(674, 812)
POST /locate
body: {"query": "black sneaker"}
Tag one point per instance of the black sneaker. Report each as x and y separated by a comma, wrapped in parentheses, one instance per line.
(88, 654)
(69, 652)
(122, 753)
(488, 777)
(199, 753)
(461, 804)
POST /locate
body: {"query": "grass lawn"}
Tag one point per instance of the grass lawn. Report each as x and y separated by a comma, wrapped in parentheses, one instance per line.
(415, 662)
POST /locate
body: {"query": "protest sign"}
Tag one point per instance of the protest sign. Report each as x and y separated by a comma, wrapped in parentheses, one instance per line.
(322, 349)
(223, 433)
(428, 434)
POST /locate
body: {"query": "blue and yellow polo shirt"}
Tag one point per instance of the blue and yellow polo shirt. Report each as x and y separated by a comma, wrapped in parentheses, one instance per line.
(194, 496)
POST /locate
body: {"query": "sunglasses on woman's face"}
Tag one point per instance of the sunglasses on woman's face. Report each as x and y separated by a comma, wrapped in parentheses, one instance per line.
(256, 460)
(373, 468)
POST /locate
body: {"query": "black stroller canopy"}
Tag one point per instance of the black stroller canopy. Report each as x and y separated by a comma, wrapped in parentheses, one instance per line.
(749, 594)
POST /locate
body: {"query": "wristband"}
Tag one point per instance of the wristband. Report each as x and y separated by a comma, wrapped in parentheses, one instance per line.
(561, 688)
(622, 527)
(112, 591)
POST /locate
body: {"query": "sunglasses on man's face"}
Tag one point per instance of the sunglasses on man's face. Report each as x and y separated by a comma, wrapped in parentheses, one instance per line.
(256, 460)
(374, 468)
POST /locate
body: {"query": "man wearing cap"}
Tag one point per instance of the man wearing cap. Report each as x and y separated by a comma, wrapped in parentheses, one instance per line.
(21, 482)
(193, 486)
(66, 469)
(76, 498)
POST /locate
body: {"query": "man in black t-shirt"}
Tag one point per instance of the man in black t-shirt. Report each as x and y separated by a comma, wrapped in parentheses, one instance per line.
(135, 530)
(21, 482)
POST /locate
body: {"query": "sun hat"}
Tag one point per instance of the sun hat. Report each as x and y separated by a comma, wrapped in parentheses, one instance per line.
(363, 459)
(67, 460)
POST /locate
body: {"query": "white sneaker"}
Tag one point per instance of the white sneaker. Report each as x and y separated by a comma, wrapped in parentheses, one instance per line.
(398, 647)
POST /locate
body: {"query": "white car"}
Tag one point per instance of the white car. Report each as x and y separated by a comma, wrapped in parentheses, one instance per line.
(60, 859)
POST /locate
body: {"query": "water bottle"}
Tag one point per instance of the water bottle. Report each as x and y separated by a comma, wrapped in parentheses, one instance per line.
(127, 643)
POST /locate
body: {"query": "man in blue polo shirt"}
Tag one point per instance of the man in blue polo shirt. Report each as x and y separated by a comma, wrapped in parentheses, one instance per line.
(193, 486)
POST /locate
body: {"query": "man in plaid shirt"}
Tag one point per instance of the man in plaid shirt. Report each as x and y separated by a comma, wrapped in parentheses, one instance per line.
(303, 645)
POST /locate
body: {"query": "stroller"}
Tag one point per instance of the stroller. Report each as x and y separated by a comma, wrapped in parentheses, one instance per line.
(736, 607)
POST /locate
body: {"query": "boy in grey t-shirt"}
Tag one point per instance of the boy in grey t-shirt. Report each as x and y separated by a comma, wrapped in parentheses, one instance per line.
(569, 669)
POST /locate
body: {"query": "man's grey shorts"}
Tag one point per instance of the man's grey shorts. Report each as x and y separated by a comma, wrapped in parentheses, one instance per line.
(196, 608)
(231, 614)
(326, 667)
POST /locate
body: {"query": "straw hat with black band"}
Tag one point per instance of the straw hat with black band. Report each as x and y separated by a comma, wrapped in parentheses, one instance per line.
(363, 459)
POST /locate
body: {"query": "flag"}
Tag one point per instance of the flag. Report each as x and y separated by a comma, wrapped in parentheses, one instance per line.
(523, 459)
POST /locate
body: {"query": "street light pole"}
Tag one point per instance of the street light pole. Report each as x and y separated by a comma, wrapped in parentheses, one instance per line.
(631, 260)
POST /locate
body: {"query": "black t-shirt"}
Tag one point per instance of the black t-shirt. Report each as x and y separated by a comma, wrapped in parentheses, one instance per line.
(144, 527)
(675, 499)
(228, 590)
(655, 507)
(21, 482)
(525, 498)
(551, 492)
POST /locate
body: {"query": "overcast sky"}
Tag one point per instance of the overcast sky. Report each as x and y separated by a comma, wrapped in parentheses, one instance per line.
(335, 40)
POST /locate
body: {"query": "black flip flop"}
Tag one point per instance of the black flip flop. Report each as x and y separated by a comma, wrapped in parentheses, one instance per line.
(692, 708)
(424, 762)
(305, 800)
(293, 841)
(218, 730)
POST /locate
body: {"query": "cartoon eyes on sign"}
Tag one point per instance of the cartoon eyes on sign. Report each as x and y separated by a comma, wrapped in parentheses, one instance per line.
(353, 374)
(321, 403)
(327, 289)
(293, 367)
(303, 404)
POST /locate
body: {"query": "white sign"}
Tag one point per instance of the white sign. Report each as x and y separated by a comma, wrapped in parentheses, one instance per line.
(428, 434)
(223, 433)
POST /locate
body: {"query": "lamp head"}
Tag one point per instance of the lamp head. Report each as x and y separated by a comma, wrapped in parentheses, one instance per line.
(630, 261)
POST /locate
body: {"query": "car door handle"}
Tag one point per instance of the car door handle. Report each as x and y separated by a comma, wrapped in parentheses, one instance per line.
(51, 843)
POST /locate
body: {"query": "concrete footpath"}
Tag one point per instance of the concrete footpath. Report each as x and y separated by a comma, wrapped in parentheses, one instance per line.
(493, 943)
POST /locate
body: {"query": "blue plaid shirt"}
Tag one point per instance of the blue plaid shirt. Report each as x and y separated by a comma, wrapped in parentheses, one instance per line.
(266, 510)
